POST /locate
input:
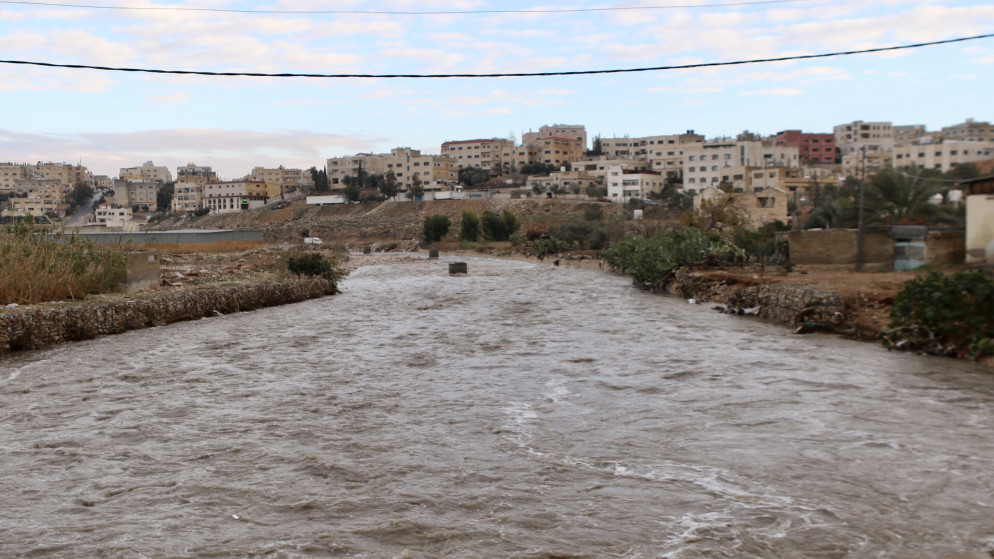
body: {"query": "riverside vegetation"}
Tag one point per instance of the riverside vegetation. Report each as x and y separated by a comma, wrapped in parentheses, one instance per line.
(37, 268)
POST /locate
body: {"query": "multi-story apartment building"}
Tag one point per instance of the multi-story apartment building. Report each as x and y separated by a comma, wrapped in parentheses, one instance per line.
(436, 172)
(12, 176)
(811, 147)
(193, 173)
(624, 185)
(663, 154)
(105, 214)
(575, 132)
(484, 154)
(187, 196)
(719, 161)
(140, 194)
(148, 172)
(287, 178)
(234, 196)
(858, 135)
(970, 130)
(942, 155)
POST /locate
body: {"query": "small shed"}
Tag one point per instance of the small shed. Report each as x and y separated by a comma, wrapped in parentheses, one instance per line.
(917, 245)
(979, 217)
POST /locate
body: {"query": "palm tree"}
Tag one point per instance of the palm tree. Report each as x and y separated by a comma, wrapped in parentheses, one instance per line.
(905, 196)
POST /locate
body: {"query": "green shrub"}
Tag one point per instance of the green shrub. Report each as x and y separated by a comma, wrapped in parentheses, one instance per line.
(652, 263)
(584, 234)
(498, 228)
(435, 227)
(313, 264)
(944, 314)
(469, 226)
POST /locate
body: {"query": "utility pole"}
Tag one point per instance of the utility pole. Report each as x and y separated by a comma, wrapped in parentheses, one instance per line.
(859, 230)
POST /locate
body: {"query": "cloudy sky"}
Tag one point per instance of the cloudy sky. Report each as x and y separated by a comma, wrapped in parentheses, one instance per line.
(109, 120)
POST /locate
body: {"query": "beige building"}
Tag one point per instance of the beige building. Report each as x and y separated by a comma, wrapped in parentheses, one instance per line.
(576, 132)
(970, 131)
(12, 175)
(287, 178)
(436, 172)
(148, 172)
(944, 155)
(484, 154)
(725, 161)
(857, 135)
(187, 196)
(756, 207)
(863, 164)
(193, 173)
(140, 194)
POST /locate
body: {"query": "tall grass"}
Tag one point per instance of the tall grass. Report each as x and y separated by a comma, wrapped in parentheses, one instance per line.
(35, 268)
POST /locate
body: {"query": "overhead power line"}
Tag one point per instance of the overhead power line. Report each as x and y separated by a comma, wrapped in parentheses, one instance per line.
(398, 12)
(499, 75)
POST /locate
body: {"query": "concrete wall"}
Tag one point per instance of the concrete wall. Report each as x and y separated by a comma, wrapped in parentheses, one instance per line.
(979, 226)
(839, 247)
(142, 271)
(182, 241)
(945, 247)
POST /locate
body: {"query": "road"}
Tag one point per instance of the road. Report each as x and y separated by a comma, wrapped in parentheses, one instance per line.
(80, 217)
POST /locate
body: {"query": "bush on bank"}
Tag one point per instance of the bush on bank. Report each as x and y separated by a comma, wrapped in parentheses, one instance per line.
(312, 265)
(35, 268)
(652, 263)
(944, 315)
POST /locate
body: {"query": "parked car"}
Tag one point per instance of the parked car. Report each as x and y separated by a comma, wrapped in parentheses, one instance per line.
(603, 199)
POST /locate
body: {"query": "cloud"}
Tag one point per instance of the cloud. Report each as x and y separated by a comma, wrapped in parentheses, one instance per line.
(169, 98)
(772, 92)
(232, 153)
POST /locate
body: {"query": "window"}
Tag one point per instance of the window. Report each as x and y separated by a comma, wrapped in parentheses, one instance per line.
(693, 157)
(766, 202)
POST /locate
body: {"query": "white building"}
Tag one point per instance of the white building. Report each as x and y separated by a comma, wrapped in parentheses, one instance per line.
(187, 196)
(944, 155)
(111, 217)
(624, 185)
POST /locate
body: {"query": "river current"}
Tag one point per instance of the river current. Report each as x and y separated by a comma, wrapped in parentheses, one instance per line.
(522, 410)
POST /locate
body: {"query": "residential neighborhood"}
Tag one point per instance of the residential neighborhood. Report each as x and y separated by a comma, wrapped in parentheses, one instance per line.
(776, 178)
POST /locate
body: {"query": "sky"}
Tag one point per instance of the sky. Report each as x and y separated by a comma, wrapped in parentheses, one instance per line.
(109, 120)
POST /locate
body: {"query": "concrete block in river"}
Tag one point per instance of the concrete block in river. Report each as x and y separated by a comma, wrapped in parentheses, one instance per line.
(433, 253)
(367, 249)
(458, 268)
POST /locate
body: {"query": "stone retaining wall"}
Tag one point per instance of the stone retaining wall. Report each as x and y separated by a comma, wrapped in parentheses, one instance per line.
(795, 305)
(28, 328)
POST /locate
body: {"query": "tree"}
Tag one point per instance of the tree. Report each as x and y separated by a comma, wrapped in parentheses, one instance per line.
(469, 226)
(389, 185)
(164, 197)
(471, 176)
(904, 196)
(352, 192)
(538, 169)
(498, 228)
(81, 193)
(435, 227)
(417, 190)
(320, 179)
(715, 214)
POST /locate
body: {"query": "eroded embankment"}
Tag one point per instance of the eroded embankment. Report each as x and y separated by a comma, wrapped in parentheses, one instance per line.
(35, 328)
(806, 308)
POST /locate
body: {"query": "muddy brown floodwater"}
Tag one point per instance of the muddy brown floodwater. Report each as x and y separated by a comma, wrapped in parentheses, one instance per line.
(522, 410)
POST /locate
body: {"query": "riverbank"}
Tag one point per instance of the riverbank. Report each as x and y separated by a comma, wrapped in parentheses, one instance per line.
(38, 326)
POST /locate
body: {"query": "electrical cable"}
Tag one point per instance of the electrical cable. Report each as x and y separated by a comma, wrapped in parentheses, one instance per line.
(496, 75)
(403, 13)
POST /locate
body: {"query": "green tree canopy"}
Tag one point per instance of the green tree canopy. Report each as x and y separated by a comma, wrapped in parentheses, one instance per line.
(469, 226)
(471, 176)
(435, 227)
(389, 187)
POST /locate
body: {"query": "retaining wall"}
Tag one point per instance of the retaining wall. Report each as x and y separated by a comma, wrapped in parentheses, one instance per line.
(795, 305)
(27, 328)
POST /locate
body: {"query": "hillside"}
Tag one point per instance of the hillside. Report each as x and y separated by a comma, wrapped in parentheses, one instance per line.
(357, 224)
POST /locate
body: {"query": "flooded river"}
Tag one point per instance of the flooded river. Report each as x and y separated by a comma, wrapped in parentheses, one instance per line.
(519, 411)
